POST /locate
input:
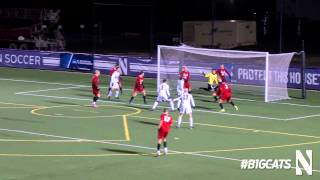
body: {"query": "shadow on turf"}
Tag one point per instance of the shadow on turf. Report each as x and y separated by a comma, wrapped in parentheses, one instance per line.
(62, 103)
(147, 122)
(19, 120)
(126, 152)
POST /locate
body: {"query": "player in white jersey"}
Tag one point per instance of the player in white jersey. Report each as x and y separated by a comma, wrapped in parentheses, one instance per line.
(114, 84)
(163, 95)
(180, 85)
(185, 107)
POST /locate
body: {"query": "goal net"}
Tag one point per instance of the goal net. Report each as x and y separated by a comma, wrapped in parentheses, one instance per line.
(254, 75)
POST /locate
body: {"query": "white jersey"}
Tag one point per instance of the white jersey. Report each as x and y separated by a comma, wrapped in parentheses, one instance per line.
(115, 79)
(164, 92)
(186, 103)
(180, 85)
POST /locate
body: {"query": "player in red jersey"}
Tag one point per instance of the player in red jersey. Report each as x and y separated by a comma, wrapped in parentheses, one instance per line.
(139, 88)
(222, 72)
(95, 87)
(225, 94)
(163, 130)
(185, 75)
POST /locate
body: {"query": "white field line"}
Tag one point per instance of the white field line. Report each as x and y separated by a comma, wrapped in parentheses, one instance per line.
(40, 82)
(66, 84)
(45, 90)
(75, 86)
(113, 143)
(303, 117)
(129, 145)
(199, 110)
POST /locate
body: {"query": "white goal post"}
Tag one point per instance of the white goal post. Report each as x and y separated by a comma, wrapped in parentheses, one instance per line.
(258, 74)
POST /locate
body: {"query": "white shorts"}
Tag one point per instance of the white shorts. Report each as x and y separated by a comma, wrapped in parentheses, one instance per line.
(114, 85)
(185, 110)
(162, 98)
(180, 92)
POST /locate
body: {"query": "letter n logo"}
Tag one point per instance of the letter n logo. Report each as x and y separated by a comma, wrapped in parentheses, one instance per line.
(123, 64)
(303, 163)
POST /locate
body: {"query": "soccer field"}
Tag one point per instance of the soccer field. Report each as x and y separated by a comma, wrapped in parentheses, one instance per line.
(49, 131)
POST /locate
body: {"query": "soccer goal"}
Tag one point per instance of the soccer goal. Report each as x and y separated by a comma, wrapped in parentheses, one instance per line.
(254, 75)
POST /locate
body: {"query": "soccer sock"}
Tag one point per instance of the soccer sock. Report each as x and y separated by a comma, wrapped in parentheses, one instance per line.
(109, 89)
(191, 122)
(165, 144)
(95, 99)
(145, 99)
(158, 147)
(171, 105)
(131, 99)
(179, 121)
(155, 105)
(117, 94)
(121, 90)
(221, 106)
(110, 93)
(215, 98)
(178, 104)
(231, 102)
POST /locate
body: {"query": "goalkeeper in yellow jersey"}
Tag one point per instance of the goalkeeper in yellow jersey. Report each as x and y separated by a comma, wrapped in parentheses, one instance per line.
(213, 82)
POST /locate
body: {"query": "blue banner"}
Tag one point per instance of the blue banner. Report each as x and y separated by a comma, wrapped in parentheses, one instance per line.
(131, 66)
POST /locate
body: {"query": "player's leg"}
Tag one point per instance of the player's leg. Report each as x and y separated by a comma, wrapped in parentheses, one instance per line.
(109, 87)
(110, 91)
(155, 104)
(134, 94)
(190, 120)
(221, 101)
(161, 136)
(171, 104)
(144, 96)
(96, 96)
(215, 97)
(180, 118)
(116, 88)
(165, 147)
(159, 145)
(232, 103)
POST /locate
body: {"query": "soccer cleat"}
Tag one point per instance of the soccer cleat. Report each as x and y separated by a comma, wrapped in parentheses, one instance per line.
(165, 151)
(222, 110)
(94, 105)
(158, 153)
(191, 127)
(108, 97)
(177, 127)
(236, 108)
(151, 109)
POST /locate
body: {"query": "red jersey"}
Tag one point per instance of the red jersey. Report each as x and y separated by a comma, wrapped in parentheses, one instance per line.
(222, 73)
(95, 82)
(224, 88)
(185, 75)
(139, 81)
(166, 122)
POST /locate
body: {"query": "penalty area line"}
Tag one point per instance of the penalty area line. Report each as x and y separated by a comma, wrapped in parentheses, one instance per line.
(199, 110)
(131, 146)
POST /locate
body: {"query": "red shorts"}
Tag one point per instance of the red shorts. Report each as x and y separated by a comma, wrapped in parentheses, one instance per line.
(187, 85)
(225, 97)
(95, 92)
(162, 134)
(138, 89)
